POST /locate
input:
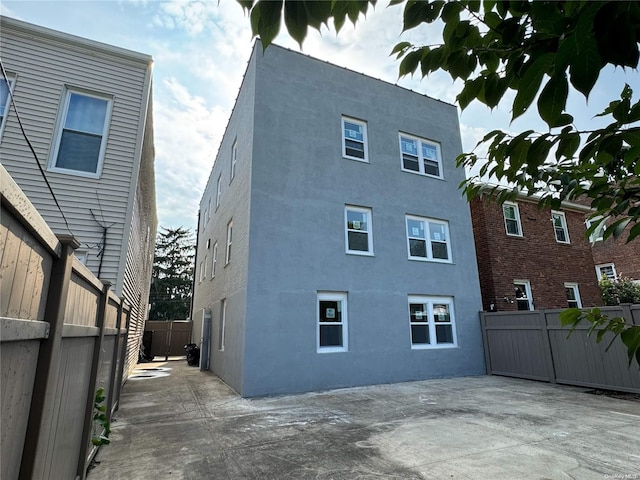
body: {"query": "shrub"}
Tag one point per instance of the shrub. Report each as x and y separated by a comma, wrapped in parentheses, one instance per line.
(620, 291)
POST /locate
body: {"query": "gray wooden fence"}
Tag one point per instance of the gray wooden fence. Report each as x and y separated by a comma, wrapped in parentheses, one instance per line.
(534, 345)
(168, 337)
(63, 335)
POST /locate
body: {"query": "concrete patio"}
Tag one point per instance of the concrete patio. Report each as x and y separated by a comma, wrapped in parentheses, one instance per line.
(187, 424)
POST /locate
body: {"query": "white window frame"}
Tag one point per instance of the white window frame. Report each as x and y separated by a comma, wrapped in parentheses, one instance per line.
(223, 324)
(227, 256)
(429, 301)
(234, 158)
(517, 219)
(527, 290)
(218, 190)
(365, 143)
(576, 293)
(201, 272)
(427, 238)
(369, 231)
(606, 265)
(7, 106)
(563, 225)
(420, 156)
(214, 260)
(334, 297)
(62, 119)
(598, 234)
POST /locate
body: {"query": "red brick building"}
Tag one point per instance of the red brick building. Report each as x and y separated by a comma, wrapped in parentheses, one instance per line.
(530, 258)
(615, 258)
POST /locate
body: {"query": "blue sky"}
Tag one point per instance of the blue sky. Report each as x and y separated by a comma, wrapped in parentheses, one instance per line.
(200, 50)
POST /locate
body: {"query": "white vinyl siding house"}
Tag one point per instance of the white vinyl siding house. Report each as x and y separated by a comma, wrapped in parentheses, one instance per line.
(120, 195)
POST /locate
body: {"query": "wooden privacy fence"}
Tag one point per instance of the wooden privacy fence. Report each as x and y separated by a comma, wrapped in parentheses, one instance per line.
(534, 345)
(168, 337)
(63, 335)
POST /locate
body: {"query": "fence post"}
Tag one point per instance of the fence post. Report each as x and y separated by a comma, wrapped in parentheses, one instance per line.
(485, 341)
(546, 345)
(123, 352)
(113, 375)
(44, 386)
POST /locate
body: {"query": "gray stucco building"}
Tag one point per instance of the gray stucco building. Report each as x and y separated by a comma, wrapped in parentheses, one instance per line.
(335, 248)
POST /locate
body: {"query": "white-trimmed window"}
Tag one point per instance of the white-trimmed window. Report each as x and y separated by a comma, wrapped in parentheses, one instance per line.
(218, 190)
(606, 270)
(420, 156)
(214, 260)
(432, 322)
(332, 322)
(428, 239)
(5, 99)
(354, 139)
(223, 324)
(234, 158)
(512, 219)
(201, 271)
(524, 298)
(573, 295)
(598, 233)
(227, 256)
(358, 231)
(560, 226)
(81, 136)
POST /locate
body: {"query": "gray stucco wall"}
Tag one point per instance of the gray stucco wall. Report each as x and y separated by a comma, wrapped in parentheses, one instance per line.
(299, 187)
(230, 281)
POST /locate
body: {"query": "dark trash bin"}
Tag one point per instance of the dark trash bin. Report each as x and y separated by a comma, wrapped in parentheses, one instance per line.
(193, 354)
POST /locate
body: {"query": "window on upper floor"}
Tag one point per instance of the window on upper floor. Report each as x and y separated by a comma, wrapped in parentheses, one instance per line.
(332, 322)
(354, 139)
(201, 271)
(227, 257)
(432, 322)
(573, 295)
(512, 219)
(598, 232)
(428, 239)
(5, 99)
(524, 298)
(606, 270)
(560, 227)
(358, 232)
(214, 260)
(81, 136)
(218, 190)
(420, 156)
(234, 158)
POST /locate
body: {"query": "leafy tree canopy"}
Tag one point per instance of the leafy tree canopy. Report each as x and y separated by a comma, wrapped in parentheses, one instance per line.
(171, 286)
(535, 51)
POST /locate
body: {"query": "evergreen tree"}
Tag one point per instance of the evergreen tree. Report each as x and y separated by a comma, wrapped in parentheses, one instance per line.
(172, 281)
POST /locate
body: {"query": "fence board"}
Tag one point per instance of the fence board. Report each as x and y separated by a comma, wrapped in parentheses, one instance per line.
(514, 346)
(18, 360)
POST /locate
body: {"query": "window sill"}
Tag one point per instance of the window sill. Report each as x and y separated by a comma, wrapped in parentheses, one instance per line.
(359, 254)
(563, 243)
(356, 159)
(433, 347)
(331, 350)
(420, 259)
(511, 235)
(76, 173)
(423, 174)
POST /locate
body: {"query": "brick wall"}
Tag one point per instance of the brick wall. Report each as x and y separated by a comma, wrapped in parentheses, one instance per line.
(624, 256)
(536, 257)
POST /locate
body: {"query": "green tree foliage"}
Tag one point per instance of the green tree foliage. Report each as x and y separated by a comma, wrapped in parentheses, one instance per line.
(536, 52)
(171, 286)
(623, 290)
